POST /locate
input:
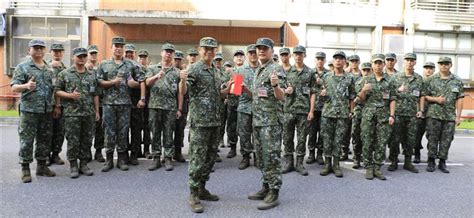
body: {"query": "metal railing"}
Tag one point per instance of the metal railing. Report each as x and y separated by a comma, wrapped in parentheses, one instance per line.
(48, 4)
(455, 13)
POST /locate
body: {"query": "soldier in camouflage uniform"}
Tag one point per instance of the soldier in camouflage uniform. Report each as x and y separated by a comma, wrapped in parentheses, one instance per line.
(315, 140)
(338, 87)
(57, 65)
(267, 111)
(163, 79)
(428, 70)
(33, 79)
(76, 86)
(144, 62)
(180, 122)
(391, 61)
(379, 99)
(218, 59)
(285, 59)
(409, 87)
(203, 83)
(276, 59)
(444, 94)
(115, 76)
(299, 110)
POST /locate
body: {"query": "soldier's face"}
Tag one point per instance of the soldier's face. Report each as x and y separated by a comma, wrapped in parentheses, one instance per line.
(428, 71)
(192, 58)
(80, 59)
(320, 62)
(410, 64)
(218, 63)
(391, 63)
(207, 53)
(355, 64)
(264, 53)
(285, 58)
(93, 56)
(167, 55)
(178, 62)
(365, 72)
(299, 57)
(118, 50)
(37, 51)
(339, 62)
(444, 67)
(130, 55)
(143, 60)
(378, 66)
(252, 56)
(239, 59)
(57, 54)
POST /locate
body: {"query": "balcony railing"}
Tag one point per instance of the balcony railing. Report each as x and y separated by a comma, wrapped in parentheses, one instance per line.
(454, 13)
(48, 4)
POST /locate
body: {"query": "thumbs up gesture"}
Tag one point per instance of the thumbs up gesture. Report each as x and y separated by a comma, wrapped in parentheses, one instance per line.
(75, 95)
(367, 87)
(274, 79)
(183, 75)
(31, 85)
(289, 90)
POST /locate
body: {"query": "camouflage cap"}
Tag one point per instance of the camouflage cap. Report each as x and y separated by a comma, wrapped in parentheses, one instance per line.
(129, 47)
(79, 51)
(354, 58)
(143, 52)
(264, 42)
(275, 57)
(218, 56)
(56, 46)
(429, 64)
(299, 49)
(320, 54)
(239, 51)
(378, 57)
(410, 56)
(340, 54)
(192, 51)
(284, 51)
(208, 42)
(228, 63)
(118, 40)
(444, 60)
(390, 56)
(330, 63)
(92, 48)
(36, 42)
(178, 54)
(366, 65)
(251, 47)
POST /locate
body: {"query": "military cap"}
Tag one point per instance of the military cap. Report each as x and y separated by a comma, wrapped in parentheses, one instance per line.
(118, 40)
(284, 51)
(320, 54)
(445, 60)
(275, 57)
(218, 56)
(228, 63)
(339, 53)
(354, 58)
(143, 52)
(129, 47)
(378, 57)
(366, 65)
(57, 46)
(239, 51)
(251, 47)
(167, 46)
(330, 63)
(192, 51)
(299, 49)
(208, 42)
(178, 54)
(265, 42)
(36, 42)
(429, 64)
(390, 56)
(79, 51)
(92, 48)
(410, 56)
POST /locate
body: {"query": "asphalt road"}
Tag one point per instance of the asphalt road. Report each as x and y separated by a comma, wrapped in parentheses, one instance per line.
(139, 192)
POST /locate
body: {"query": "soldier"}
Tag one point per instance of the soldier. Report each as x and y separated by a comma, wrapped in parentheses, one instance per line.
(315, 140)
(180, 122)
(244, 120)
(202, 81)
(276, 59)
(162, 79)
(428, 69)
(378, 115)
(366, 68)
(57, 65)
(299, 110)
(92, 65)
(409, 87)
(115, 76)
(76, 86)
(227, 65)
(445, 94)
(192, 56)
(285, 59)
(331, 65)
(33, 79)
(144, 63)
(267, 111)
(218, 61)
(391, 61)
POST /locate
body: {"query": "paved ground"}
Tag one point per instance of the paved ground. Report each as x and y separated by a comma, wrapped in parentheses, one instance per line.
(139, 193)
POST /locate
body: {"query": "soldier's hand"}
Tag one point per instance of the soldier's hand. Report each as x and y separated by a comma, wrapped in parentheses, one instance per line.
(441, 100)
(274, 80)
(367, 87)
(117, 81)
(458, 121)
(56, 112)
(178, 114)
(402, 88)
(141, 103)
(391, 121)
(31, 85)
(245, 88)
(229, 83)
(419, 114)
(75, 95)
(323, 92)
(183, 75)
(160, 75)
(318, 80)
(289, 90)
(310, 116)
(56, 64)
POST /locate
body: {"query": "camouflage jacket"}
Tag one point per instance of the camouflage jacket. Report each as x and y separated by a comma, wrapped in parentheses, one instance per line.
(107, 71)
(98, 89)
(204, 86)
(85, 83)
(378, 99)
(233, 100)
(163, 94)
(137, 75)
(266, 109)
(245, 100)
(407, 102)
(304, 85)
(320, 99)
(39, 100)
(452, 89)
(340, 91)
(56, 70)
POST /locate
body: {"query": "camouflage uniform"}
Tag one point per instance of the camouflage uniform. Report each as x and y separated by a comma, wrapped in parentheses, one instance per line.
(315, 141)
(245, 112)
(58, 123)
(232, 105)
(99, 126)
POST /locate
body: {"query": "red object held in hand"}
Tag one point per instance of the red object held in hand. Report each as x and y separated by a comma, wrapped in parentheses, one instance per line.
(237, 86)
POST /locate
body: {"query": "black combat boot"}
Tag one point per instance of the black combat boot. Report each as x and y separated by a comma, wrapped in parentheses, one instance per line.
(25, 173)
(43, 170)
(146, 152)
(205, 194)
(270, 201)
(261, 194)
(408, 165)
(109, 162)
(417, 158)
(84, 169)
(299, 166)
(356, 162)
(178, 155)
(442, 166)
(311, 157)
(431, 165)
(134, 158)
(98, 156)
(122, 161)
(319, 157)
(394, 165)
(56, 159)
(232, 153)
(156, 164)
(74, 170)
(289, 164)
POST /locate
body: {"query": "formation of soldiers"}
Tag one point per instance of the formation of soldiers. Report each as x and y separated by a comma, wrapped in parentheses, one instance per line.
(125, 102)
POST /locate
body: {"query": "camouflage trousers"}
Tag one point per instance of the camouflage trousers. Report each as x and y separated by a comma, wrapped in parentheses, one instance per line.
(162, 122)
(267, 140)
(245, 133)
(202, 154)
(419, 133)
(440, 134)
(117, 123)
(357, 133)
(299, 123)
(315, 140)
(99, 131)
(180, 125)
(79, 132)
(58, 135)
(375, 132)
(333, 130)
(232, 137)
(346, 141)
(34, 127)
(138, 125)
(404, 132)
